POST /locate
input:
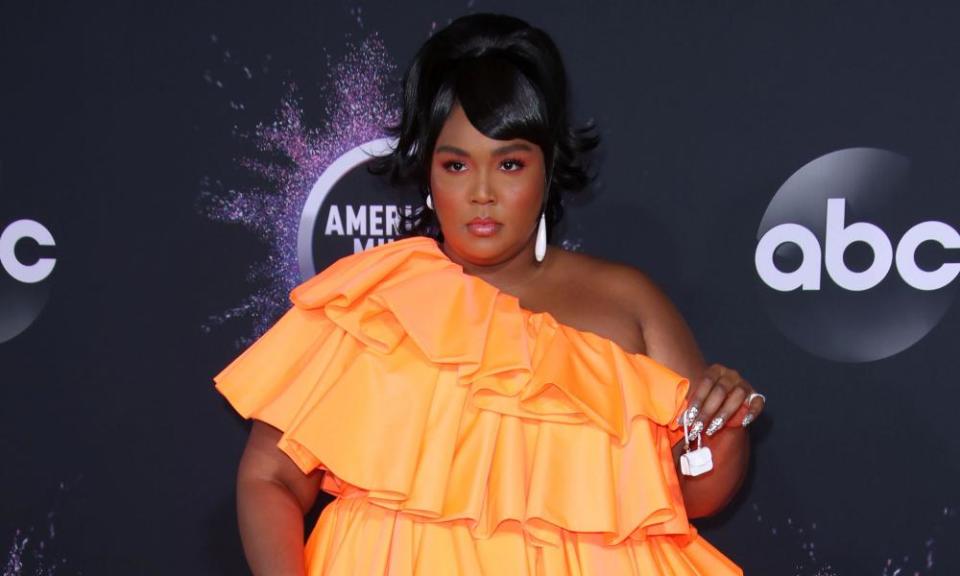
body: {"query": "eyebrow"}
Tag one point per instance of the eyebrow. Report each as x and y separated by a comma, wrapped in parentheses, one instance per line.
(496, 151)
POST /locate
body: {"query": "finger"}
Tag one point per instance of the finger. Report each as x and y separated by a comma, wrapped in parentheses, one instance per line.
(713, 402)
(754, 408)
(700, 391)
(736, 419)
(711, 373)
(731, 404)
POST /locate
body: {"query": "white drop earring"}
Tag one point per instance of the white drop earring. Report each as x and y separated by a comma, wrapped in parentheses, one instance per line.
(540, 250)
(430, 200)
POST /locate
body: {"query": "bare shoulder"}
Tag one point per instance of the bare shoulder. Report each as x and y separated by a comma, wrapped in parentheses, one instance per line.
(632, 295)
(627, 285)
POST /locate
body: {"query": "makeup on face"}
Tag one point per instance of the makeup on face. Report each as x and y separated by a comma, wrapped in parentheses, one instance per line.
(487, 193)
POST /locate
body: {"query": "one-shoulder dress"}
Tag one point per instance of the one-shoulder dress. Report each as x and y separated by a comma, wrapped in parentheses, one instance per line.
(464, 435)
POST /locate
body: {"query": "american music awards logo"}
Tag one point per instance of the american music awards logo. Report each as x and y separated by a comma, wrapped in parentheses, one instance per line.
(852, 267)
(349, 210)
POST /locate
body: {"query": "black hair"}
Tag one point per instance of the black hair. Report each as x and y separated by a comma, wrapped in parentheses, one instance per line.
(510, 80)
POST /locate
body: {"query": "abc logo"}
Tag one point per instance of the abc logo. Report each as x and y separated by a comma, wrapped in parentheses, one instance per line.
(22, 290)
(839, 237)
(849, 270)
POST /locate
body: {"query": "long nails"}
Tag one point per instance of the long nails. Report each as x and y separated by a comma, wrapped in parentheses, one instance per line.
(695, 431)
(747, 420)
(714, 426)
(691, 414)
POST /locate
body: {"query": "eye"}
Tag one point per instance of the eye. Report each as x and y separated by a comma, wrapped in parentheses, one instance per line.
(453, 163)
(513, 162)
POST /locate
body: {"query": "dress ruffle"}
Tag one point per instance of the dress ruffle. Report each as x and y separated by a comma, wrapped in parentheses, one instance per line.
(441, 408)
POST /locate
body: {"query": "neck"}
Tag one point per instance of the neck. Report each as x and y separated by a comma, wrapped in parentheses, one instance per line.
(510, 275)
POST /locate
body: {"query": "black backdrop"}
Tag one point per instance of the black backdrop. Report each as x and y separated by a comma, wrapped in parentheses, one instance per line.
(128, 129)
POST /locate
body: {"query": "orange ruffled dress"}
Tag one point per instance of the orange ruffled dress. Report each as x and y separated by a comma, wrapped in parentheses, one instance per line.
(463, 434)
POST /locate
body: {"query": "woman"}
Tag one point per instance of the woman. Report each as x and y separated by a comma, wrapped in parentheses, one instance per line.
(478, 403)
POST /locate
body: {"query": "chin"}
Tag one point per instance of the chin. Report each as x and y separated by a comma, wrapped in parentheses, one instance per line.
(489, 250)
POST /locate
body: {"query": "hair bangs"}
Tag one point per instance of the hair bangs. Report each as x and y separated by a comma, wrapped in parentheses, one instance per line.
(501, 102)
(510, 81)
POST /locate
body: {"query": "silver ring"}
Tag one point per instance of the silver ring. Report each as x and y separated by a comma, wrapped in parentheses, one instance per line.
(755, 395)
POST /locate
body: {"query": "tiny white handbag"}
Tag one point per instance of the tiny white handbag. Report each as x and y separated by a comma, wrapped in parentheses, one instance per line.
(694, 462)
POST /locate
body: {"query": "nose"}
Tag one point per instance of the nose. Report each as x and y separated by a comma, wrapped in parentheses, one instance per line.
(482, 193)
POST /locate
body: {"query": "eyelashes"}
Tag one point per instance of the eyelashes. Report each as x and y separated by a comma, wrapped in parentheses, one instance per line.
(519, 164)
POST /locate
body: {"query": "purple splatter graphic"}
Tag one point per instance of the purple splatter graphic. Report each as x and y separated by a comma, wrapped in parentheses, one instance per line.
(30, 551)
(808, 562)
(360, 101)
(804, 539)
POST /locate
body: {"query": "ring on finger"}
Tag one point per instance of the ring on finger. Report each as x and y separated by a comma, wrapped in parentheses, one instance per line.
(755, 395)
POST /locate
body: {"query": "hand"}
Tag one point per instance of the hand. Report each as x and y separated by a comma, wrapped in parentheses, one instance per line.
(718, 398)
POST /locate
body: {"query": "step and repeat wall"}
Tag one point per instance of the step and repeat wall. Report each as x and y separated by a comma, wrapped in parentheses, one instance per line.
(787, 172)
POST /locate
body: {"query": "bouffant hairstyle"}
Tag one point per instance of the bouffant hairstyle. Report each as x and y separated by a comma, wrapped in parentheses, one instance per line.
(510, 80)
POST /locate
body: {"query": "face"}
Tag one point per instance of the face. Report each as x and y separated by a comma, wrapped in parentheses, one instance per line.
(487, 193)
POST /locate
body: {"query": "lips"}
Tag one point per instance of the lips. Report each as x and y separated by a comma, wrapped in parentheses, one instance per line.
(483, 226)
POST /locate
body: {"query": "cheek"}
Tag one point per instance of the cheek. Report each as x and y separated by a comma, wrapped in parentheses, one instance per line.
(526, 196)
(445, 185)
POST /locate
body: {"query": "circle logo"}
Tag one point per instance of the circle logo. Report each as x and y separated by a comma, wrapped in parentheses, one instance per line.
(23, 271)
(849, 270)
(348, 210)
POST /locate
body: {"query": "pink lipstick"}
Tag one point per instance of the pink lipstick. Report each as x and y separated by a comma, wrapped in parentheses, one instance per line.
(483, 226)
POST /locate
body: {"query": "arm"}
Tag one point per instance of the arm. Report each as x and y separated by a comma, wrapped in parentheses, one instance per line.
(273, 495)
(670, 342)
